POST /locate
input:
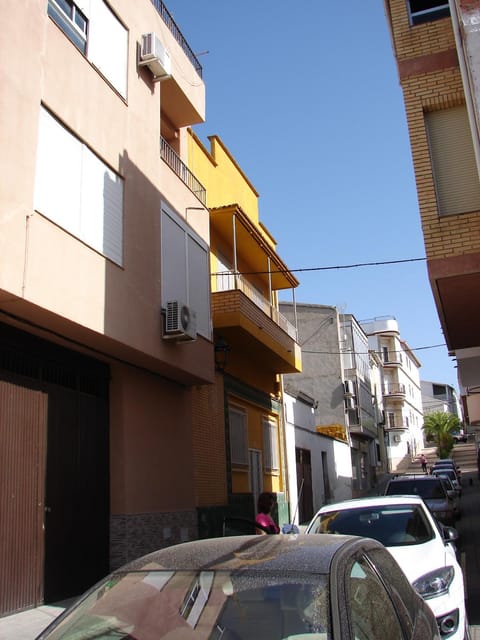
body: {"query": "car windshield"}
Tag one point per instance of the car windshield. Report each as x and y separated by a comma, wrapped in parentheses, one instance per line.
(208, 605)
(392, 525)
(428, 489)
(449, 473)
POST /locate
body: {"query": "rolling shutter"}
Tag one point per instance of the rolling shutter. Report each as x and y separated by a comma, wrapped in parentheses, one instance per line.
(453, 161)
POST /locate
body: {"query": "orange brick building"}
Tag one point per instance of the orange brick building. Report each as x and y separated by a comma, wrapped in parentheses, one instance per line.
(435, 45)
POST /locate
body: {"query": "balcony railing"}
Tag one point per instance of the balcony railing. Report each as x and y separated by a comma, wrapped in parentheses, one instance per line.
(177, 34)
(173, 160)
(394, 389)
(229, 281)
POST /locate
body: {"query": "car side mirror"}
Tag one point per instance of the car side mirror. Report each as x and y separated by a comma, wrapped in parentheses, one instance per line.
(450, 534)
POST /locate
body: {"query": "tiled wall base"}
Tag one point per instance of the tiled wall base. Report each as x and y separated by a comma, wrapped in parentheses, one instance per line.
(134, 535)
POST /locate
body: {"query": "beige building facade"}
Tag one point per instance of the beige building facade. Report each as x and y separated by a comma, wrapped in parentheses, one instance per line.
(105, 323)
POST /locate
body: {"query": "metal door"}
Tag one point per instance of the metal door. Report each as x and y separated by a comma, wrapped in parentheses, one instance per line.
(77, 494)
(23, 422)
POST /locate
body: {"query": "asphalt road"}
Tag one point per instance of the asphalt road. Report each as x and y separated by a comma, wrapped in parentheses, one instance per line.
(468, 545)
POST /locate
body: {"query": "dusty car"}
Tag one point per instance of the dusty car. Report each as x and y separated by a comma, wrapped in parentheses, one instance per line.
(424, 549)
(289, 587)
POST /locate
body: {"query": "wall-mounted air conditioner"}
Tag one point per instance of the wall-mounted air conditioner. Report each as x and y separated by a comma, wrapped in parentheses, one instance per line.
(154, 55)
(180, 322)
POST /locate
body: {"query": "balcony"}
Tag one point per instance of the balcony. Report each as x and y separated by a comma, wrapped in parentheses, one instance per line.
(248, 321)
(394, 390)
(183, 91)
(183, 172)
(177, 34)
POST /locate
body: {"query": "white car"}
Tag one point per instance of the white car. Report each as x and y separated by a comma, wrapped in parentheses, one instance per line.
(422, 546)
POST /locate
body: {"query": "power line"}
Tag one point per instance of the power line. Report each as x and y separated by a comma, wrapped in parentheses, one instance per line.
(329, 268)
(366, 353)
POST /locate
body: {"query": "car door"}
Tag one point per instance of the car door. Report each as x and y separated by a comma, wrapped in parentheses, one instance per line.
(379, 602)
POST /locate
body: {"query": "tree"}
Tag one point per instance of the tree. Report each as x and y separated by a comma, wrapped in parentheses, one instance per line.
(438, 426)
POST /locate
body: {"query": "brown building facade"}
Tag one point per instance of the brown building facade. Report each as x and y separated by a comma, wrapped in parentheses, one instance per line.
(435, 45)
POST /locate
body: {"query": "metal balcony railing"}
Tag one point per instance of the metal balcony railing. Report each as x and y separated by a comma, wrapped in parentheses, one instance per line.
(177, 34)
(394, 389)
(228, 281)
(173, 160)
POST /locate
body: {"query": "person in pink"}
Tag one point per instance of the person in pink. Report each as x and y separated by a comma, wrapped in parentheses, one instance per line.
(423, 461)
(266, 502)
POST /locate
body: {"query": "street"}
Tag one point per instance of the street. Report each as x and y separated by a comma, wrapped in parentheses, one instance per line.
(469, 527)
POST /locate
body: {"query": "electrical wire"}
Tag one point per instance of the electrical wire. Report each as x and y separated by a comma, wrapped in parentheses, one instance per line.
(329, 268)
(366, 353)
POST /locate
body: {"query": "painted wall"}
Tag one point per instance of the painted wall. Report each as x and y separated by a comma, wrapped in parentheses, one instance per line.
(89, 297)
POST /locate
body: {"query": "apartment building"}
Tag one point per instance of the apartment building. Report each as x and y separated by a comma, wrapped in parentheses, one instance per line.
(322, 378)
(436, 45)
(240, 433)
(402, 397)
(105, 320)
(438, 396)
(364, 414)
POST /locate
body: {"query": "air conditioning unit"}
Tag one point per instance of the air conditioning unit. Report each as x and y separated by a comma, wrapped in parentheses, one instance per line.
(180, 322)
(154, 55)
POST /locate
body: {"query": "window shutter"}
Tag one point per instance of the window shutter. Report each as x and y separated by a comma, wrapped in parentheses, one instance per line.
(238, 436)
(58, 174)
(108, 45)
(270, 444)
(198, 285)
(453, 161)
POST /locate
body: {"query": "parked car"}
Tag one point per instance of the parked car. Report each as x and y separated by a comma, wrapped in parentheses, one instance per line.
(459, 436)
(289, 587)
(431, 489)
(451, 474)
(422, 547)
(454, 492)
(448, 463)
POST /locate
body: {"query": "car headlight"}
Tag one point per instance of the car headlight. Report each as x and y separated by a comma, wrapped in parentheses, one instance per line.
(435, 583)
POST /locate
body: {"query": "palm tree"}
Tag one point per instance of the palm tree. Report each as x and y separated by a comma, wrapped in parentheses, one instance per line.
(438, 426)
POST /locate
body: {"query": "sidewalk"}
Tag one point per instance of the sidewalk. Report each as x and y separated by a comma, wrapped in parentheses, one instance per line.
(28, 624)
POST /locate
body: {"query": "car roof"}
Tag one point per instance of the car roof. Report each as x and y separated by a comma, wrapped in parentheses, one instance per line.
(413, 476)
(304, 553)
(372, 501)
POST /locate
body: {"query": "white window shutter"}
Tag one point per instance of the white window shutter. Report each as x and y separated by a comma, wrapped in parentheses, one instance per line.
(58, 174)
(108, 45)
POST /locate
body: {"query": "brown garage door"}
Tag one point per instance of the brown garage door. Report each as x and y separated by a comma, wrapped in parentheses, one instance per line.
(23, 420)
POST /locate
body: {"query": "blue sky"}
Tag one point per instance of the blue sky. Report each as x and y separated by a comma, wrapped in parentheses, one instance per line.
(306, 97)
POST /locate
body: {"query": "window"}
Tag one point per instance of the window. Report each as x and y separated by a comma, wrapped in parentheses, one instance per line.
(77, 191)
(372, 610)
(270, 444)
(238, 435)
(97, 33)
(385, 354)
(453, 161)
(185, 268)
(427, 10)
(71, 21)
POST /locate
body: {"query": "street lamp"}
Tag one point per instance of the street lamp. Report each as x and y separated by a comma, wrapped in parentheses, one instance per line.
(221, 353)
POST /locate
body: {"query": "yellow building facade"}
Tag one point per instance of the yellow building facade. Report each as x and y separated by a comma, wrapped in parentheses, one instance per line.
(254, 343)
